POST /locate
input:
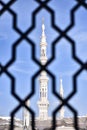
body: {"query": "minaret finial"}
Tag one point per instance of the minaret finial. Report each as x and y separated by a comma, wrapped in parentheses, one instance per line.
(61, 87)
(60, 79)
(43, 27)
(43, 20)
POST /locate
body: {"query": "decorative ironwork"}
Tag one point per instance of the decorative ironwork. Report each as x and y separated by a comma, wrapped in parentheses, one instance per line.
(24, 35)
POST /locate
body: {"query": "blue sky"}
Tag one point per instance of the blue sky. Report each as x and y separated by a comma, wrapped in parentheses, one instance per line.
(24, 68)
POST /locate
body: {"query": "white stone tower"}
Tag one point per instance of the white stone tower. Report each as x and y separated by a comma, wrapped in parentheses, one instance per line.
(26, 117)
(43, 46)
(62, 95)
(43, 102)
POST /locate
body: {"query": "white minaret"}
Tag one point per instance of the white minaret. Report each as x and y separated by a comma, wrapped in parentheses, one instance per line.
(43, 101)
(62, 95)
(26, 117)
(43, 45)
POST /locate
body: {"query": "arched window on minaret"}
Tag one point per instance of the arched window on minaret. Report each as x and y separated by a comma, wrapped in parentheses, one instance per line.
(43, 52)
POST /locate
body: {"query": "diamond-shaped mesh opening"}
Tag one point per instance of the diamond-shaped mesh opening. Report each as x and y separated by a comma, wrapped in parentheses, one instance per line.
(24, 11)
(64, 66)
(62, 12)
(23, 69)
(7, 37)
(7, 101)
(80, 104)
(79, 33)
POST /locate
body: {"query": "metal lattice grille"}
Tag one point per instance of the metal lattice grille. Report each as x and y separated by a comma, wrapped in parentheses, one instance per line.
(24, 36)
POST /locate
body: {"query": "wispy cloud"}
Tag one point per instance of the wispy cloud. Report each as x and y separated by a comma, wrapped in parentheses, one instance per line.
(25, 63)
(20, 70)
(0, 93)
(83, 76)
(3, 36)
(70, 71)
(81, 36)
(67, 73)
(24, 69)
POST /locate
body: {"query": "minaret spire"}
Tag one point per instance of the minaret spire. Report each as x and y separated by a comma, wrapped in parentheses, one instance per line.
(62, 95)
(43, 27)
(43, 102)
(61, 88)
(43, 20)
(43, 44)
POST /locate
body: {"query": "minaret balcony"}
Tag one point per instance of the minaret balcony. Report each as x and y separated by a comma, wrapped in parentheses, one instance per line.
(43, 44)
(43, 60)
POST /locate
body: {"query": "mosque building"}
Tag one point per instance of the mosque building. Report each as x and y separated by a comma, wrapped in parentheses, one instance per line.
(43, 121)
